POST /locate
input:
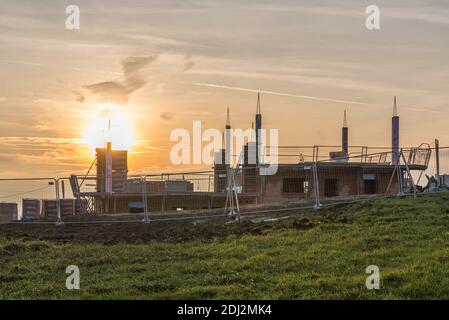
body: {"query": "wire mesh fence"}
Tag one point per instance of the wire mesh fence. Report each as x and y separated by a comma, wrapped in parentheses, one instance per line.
(437, 169)
(297, 184)
(25, 199)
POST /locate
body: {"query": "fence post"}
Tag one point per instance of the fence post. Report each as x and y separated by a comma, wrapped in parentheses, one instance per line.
(437, 159)
(146, 219)
(316, 187)
(59, 221)
(400, 182)
(410, 177)
(232, 196)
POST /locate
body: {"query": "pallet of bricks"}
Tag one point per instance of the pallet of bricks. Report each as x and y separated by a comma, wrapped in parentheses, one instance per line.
(67, 207)
(50, 208)
(31, 209)
(8, 212)
(80, 205)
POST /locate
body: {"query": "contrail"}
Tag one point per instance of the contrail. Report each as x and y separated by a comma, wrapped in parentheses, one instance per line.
(211, 85)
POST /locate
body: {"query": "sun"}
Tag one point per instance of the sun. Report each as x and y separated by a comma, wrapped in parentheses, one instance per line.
(109, 122)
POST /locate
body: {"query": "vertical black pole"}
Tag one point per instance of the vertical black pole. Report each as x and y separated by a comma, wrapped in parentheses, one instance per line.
(345, 144)
(63, 189)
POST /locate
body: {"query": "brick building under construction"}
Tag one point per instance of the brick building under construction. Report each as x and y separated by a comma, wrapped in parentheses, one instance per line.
(342, 174)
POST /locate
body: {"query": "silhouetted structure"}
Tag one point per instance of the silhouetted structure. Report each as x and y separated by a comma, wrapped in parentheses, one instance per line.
(395, 134)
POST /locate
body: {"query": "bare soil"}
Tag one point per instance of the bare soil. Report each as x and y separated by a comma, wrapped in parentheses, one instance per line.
(171, 227)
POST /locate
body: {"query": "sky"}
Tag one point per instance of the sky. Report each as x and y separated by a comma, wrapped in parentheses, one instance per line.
(168, 63)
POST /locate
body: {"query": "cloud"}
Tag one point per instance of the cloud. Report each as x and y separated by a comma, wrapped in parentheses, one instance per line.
(41, 155)
(35, 141)
(52, 155)
(166, 116)
(109, 91)
(42, 100)
(120, 91)
(28, 63)
(41, 127)
(188, 63)
(79, 97)
(133, 64)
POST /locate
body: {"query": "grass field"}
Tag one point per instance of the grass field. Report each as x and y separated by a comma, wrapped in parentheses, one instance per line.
(314, 255)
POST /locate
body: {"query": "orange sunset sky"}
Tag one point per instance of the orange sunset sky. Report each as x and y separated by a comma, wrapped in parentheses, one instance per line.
(164, 64)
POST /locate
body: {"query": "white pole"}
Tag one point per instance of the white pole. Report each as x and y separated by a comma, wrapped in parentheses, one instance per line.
(58, 203)
(146, 219)
(316, 187)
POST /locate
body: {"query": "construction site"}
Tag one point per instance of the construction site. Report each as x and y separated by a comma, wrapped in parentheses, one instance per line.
(306, 176)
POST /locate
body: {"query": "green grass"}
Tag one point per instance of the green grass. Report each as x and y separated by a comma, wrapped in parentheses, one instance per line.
(407, 239)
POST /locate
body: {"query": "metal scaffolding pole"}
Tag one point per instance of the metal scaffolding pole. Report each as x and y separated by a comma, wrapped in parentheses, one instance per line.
(316, 187)
(146, 218)
(58, 203)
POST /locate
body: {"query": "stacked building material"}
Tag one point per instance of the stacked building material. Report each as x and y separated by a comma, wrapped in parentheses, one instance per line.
(79, 204)
(67, 207)
(8, 211)
(135, 186)
(178, 186)
(250, 171)
(31, 209)
(220, 172)
(49, 208)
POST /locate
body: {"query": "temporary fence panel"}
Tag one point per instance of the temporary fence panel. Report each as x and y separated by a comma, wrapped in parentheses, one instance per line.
(313, 176)
(26, 197)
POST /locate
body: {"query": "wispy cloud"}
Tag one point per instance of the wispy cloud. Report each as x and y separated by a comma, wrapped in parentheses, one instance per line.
(119, 91)
(79, 97)
(166, 116)
(28, 63)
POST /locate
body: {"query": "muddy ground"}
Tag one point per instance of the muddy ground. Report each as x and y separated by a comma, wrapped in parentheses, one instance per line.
(166, 227)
